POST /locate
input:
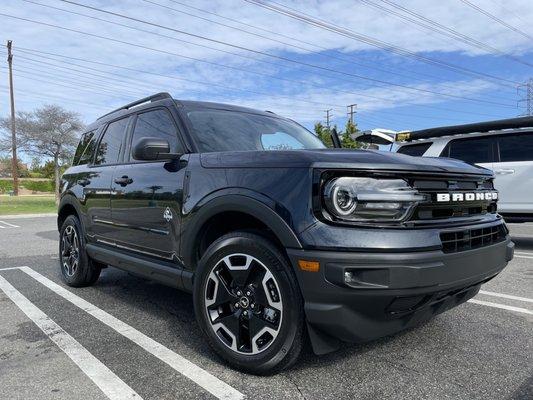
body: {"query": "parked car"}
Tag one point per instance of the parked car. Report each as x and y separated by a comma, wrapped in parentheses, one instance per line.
(276, 236)
(503, 146)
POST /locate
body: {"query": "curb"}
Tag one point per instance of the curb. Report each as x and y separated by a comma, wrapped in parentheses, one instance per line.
(20, 216)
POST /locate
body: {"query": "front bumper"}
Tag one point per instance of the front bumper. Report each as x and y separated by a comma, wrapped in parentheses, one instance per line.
(388, 291)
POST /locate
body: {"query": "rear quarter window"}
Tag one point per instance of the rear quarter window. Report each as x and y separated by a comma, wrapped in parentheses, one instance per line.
(416, 150)
(516, 147)
(474, 150)
(85, 150)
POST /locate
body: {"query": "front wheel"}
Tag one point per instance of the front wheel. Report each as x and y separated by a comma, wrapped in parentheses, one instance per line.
(248, 304)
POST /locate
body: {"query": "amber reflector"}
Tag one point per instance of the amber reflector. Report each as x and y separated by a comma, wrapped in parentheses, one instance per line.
(310, 266)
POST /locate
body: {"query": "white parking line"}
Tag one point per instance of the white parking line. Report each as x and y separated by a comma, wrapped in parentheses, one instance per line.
(506, 296)
(192, 371)
(112, 386)
(502, 306)
(8, 224)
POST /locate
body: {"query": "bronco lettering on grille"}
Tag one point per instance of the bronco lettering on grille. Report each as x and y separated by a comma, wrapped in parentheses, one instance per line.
(469, 196)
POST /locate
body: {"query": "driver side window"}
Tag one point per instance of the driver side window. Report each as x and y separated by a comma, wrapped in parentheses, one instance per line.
(156, 123)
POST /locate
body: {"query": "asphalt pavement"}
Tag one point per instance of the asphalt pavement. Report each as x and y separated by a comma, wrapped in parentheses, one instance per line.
(130, 338)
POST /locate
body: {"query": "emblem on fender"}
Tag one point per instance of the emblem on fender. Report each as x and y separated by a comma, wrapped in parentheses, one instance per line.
(466, 196)
(167, 214)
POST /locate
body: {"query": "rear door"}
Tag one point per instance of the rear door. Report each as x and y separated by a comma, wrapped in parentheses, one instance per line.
(514, 172)
(147, 195)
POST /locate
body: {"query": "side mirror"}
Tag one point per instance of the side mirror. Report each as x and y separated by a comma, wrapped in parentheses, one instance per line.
(150, 149)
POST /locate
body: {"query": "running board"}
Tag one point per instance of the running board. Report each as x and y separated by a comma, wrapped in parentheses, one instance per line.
(170, 276)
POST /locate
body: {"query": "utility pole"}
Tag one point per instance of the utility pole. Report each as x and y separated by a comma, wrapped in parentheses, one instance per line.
(14, 164)
(328, 116)
(527, 90)
(351, 113)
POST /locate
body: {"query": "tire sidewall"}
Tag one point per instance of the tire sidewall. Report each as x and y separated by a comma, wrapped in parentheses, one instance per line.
(79, 277)
(292, 317)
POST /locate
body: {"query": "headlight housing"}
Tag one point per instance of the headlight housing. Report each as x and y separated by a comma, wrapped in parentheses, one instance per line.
(362, 199)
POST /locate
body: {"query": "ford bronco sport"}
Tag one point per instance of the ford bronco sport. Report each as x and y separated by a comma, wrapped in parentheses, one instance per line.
(278, 238)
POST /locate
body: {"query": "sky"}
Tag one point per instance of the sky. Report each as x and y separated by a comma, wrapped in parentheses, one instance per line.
(408, 64)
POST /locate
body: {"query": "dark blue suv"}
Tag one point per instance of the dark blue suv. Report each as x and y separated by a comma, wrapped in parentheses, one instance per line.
(277, 237)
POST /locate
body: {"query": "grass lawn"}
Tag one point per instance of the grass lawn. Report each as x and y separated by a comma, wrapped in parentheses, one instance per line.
(27, 205)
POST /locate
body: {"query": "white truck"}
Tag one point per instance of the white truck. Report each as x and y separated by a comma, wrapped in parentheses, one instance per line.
(504, 146)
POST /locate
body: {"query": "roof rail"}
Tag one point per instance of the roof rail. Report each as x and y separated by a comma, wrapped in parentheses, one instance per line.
(149, 99)
(510, 123)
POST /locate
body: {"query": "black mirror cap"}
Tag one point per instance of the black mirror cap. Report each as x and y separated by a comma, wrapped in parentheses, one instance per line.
(151, 148)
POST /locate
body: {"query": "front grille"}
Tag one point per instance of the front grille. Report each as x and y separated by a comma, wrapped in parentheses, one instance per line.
(467, 239)
(433, 210)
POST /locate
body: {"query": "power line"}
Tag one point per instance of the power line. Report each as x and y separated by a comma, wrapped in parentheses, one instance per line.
(495, 18)
(327, 69)
(70, 69)
(444, 30)
(341, 56)
(306, 18)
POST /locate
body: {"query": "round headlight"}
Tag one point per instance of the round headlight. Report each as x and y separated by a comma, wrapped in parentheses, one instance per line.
(344, 200)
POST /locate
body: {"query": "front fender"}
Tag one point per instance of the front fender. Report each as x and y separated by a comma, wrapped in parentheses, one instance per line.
(237, 200)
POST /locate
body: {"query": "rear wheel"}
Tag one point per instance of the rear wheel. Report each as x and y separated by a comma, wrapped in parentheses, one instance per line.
(248, 303)
(77, 268)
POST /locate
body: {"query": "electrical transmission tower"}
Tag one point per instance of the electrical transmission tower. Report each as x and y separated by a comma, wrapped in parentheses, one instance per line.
(525, 91)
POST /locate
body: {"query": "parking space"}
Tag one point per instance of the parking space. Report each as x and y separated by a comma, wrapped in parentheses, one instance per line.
(129, 338)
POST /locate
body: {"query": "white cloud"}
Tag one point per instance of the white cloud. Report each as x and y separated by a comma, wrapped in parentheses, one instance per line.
(288, 98)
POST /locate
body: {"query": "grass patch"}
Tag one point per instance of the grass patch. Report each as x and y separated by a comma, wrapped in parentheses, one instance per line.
(27, 205)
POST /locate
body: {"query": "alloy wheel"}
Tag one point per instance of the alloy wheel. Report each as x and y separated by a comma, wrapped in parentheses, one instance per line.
(70, 250)
(243, 304)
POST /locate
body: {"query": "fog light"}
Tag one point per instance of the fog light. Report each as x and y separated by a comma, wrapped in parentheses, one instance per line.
(348, 277)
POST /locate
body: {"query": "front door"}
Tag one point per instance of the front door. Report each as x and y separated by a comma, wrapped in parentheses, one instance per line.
(147, 196)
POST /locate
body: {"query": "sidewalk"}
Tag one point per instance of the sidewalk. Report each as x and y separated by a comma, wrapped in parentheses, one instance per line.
(19, 216)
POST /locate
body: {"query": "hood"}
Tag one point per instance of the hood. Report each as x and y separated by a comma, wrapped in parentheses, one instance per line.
(338, 159)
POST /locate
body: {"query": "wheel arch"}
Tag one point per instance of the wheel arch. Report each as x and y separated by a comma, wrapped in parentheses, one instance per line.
(250, 213)
(67, 206)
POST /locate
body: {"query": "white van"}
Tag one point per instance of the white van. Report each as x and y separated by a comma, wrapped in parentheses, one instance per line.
(504, 146)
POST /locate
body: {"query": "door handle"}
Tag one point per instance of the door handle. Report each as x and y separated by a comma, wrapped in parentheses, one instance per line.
(504, 171)
(83, 182)
(124, 181)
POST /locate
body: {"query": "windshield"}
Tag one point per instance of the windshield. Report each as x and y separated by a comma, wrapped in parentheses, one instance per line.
(222, 130)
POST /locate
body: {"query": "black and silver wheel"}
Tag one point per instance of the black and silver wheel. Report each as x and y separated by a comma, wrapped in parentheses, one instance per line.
(70, 251)
(77, 268)
(248, 303)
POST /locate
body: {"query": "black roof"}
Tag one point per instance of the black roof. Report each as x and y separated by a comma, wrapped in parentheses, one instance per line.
(510, 123)
(163, 96)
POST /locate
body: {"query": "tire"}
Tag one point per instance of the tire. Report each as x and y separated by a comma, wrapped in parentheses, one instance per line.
(245, 287)
(77, 269)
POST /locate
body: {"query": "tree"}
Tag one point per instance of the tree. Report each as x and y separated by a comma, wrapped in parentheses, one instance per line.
(323, 134)
(49, 131)
(346, 137)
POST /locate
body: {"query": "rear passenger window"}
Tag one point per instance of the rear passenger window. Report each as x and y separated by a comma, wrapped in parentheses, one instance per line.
(473, 150)
(416, 150)
(85, 150)
(516, 147)
(111, 143)
(159, 124)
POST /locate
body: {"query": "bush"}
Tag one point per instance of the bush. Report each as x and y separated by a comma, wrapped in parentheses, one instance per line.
(6, 185)
(39, 186)
(36, 175)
